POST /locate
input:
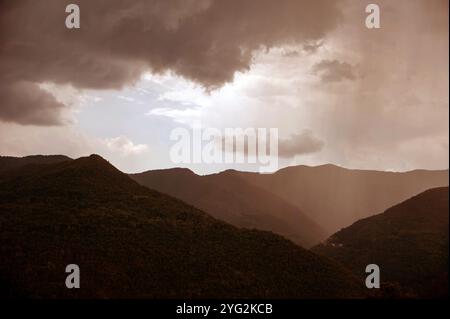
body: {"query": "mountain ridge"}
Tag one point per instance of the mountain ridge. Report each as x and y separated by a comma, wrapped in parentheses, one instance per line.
(328, 196)
(350, 194)
(409, 242)
(133, 242)
(231, 199)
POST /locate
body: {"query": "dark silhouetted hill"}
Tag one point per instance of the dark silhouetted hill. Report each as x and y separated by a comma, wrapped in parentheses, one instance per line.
(130, 241)
(409, 242)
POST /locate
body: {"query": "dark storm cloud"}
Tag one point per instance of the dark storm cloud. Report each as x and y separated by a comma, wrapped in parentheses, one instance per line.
(205, 41)
(299, 144)
(334, 71)
(312, 47)
(25, 103)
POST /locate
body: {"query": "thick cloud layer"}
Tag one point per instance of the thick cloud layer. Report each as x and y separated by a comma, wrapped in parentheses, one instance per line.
(334, 71)
(206, 41)
(25, 103)
(300, 144)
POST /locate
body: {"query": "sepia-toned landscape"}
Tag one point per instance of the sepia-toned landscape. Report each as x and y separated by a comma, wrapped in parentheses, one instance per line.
(210, 149)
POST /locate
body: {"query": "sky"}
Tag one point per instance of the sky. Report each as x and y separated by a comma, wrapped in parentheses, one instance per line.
(337, 91)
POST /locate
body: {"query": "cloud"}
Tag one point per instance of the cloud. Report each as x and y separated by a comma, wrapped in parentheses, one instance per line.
(125, 146)
(312, 47)
(206, 41)
(334, 71)
(121, 151)
(309, 47)
(126, 98)
(299, 144)
(393, 114)
(25, 103)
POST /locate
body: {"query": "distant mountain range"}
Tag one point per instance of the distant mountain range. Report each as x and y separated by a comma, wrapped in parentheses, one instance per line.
(335, 197)
(130, 241)
(409, 242)
(304, 204)
(230, 198)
